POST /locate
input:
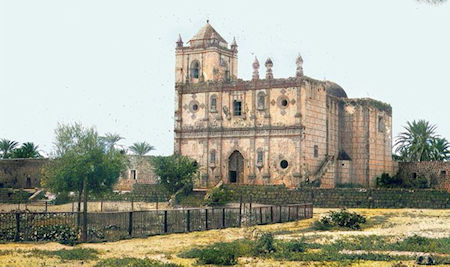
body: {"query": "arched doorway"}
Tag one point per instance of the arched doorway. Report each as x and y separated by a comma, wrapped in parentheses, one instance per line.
(235, 167)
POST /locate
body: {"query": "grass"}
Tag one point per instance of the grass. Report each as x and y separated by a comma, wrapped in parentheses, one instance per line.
(365, 248)
(133, 262)
(68, 254)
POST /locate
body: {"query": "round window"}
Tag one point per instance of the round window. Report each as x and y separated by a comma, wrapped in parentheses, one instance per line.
(195, 107)
(284, 164)
(284, 102)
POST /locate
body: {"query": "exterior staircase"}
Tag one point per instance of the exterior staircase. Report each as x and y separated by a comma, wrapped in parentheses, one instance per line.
(323, 168)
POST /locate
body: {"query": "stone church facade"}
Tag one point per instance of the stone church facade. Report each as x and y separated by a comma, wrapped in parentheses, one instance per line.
(269, 130)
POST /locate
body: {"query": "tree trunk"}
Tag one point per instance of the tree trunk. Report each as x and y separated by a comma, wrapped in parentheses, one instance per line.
(85, 199)
(79, 208)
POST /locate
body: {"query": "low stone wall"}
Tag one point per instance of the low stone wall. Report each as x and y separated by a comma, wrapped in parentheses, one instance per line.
(344, 197)
(437, 173)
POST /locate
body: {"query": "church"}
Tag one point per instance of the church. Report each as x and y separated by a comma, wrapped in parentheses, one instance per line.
(295, 131)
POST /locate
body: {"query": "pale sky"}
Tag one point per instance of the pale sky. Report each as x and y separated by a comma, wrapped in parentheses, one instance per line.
(110, 64)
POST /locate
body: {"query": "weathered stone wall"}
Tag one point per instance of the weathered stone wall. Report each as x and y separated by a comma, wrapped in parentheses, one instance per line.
(436, 172)
(340, 197)
(21, 173)
(139, 171)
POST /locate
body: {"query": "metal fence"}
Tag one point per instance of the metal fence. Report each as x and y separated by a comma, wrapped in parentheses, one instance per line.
(108, 226)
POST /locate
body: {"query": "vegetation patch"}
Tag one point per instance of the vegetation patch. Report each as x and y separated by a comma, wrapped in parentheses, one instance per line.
(69, 254)
(340, 219)
(219, 196)
(133, 262)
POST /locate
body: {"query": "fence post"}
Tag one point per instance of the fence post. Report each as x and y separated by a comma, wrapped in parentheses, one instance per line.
(289, 214)
(206, 219)
(260, 215)
(250, 206)
(271, 214)
(46, 206)
(73, 204)
(132, 204)
(157, 200)
(130, 224)
(279, 219)
(296, 213)
(101, 205)
(188, 220)
(165, 221)
(240, 210)
(17, 236)
(223, 217)
(304, 211)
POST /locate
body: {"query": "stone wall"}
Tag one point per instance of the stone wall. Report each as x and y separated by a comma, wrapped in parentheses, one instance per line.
(139, 171)
(436, 172)
(21, 173)
(340, 198)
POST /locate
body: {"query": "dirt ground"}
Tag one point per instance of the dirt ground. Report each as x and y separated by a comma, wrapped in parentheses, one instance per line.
(393, 222)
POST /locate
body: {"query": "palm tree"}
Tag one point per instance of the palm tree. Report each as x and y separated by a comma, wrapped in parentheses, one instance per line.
(440, 149)
(110, 140)
(6, 147)
(141, 148)
(420, 143)
(27, 150)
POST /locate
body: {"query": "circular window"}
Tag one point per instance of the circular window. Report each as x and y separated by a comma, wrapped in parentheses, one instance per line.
(284, 102)
(284, 164)
(194, 106)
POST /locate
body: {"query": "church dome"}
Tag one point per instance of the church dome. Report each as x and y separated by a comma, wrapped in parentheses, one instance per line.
(334, 89)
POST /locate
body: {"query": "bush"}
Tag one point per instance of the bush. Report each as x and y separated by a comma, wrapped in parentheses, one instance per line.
(220, 256)
(62, 198)
(219, 196)
(133, 262)
(293, 246)
(341, 218)
(386, 181)
(265, 244)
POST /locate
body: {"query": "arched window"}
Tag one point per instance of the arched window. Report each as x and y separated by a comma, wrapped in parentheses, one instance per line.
(213, 105)
(212, 156)
(261, 100)
(259, 157)
(195, 69)
(316, 151)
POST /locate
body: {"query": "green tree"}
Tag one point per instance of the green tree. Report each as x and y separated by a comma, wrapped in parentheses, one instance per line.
(440, 149)
(27, 150)
(141, 148)
(6, 147)
(83, 164)
(110, 140)
(175, 172)
(416, 142)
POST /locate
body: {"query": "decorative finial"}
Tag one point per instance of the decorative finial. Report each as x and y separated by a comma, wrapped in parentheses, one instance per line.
(269, 65)
(234, 44)
(255, 65)
(179, 41)
(299, 62)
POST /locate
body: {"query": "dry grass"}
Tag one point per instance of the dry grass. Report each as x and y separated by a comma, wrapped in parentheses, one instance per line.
(390, 222)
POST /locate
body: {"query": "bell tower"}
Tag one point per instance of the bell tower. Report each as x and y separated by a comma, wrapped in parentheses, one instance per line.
(206, 57)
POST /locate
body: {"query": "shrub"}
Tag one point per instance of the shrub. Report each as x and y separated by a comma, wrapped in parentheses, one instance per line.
(265, 244)
(62, 198)
(220, 256)
(341, 218)
(386, 181)
(64, 234)
(293, 246)
(219, 196)
(133, 262)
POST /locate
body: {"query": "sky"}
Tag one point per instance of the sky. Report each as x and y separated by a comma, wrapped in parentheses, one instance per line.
(110, 64)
